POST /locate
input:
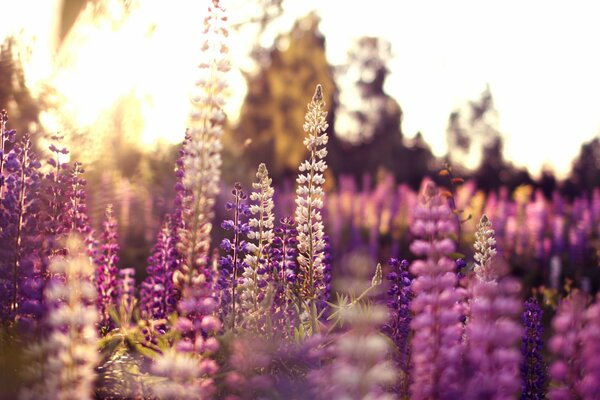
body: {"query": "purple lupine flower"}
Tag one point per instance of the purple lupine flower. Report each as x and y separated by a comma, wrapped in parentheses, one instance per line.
(282, 257)
(534, 374)
(566, 370)
(327, 277)
(309, 203)
(189, 365)
(7, 140)
(235, 249)
(106, 270)
(589, 386)
(493, 335)
(55, 194)
(435, 347)
(21, 265)
(492, 330)
(158, 297)
(77, 218)
(400, 317)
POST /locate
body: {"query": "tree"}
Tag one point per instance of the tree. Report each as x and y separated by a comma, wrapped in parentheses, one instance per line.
(272, 115)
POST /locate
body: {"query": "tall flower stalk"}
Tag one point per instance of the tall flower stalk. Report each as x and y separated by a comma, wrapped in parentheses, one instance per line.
(400, 317)
(492, 331)
(436, 343)
(309, 202)
(534, 374)
(566, 370)
(71, 344)
(589, 386)
(236, 248)
(21, 274)
(257, 288)
(202, 161)
(107, 270)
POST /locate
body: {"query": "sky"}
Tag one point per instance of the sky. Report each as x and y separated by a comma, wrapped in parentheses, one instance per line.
(539, 58)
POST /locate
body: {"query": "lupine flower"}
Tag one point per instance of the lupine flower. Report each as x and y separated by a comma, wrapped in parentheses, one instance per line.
(201, 167)
(202, 161)
(157, 295)
(282, 257)
(189, 365)
(492, 331)
(566, 370)
(235, 249)
(184, 377)
(493, 336)
(400, 316)
(589, 386)
(256, 287)
(71, 344)
(534, 374)
(55, 194)
(327, 273)
(309, 202)
(360, 367)
(6, 137)
(106, 270)
(21, 266)
(435, 346)
(484, 250)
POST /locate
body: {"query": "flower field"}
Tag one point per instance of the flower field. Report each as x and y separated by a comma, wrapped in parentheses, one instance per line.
(317, 291)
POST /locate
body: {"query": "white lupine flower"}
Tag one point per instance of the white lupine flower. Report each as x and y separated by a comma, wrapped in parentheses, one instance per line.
(261, 230)
(202, 163)
(484, 250)
(309, 202)
(183, 373)
(70, 348)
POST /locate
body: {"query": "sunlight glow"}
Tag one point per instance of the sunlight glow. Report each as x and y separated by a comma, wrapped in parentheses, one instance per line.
(538, 59)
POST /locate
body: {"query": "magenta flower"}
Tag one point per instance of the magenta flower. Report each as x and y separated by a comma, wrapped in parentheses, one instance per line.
(436, 344)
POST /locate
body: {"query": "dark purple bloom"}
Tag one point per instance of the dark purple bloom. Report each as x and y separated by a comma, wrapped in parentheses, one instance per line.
(158, 295)
(22, 265)
(534, 372)
(233, 262)
(400, 316)
(282, 258)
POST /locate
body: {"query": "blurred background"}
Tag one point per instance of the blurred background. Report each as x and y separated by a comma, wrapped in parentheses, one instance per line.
(507, 94)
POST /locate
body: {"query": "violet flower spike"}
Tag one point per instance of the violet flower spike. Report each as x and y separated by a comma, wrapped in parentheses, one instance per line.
(565, 344)
(436, 343)
(235, 250)
(107, 270)
(400, 316)
(589, 386)
(534, 371)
